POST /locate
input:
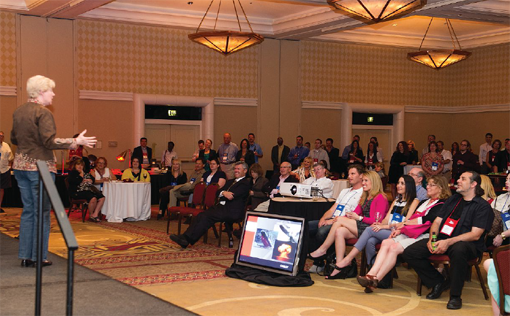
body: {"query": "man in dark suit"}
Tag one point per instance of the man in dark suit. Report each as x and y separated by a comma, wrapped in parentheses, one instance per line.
(279, 154)
(230, 207)
(143, 153)
(334, 155)
(273, 186)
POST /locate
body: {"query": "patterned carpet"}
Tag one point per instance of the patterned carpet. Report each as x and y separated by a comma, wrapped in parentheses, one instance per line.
(141, 255)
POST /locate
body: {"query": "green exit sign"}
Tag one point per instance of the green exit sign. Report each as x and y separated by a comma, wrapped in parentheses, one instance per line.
(370, 119)
(172, 112)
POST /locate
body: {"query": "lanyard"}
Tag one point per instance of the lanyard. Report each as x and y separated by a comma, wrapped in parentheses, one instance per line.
(503, 208)
(454, 208)
(349, 197)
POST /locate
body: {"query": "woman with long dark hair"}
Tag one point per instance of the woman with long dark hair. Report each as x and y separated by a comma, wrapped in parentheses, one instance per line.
(372, 156)
(81, 187)
(245, 154)
(355, 154)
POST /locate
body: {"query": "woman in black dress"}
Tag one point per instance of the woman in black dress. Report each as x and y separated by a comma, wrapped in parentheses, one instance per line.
(245, 154)
(81, 186)
(399, 159)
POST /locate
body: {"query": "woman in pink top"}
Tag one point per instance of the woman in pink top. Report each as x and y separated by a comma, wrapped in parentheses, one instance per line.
(373, 201)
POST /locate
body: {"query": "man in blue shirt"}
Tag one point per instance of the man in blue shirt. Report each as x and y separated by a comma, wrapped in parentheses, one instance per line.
(419, 178)
(298, 153)
(257, 150)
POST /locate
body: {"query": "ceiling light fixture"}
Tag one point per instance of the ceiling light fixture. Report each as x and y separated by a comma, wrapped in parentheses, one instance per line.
(226, 42)
(377, 10)
(440, 58)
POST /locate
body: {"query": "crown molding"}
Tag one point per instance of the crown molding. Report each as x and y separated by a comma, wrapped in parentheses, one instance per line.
(236, 102)
(457, 109)
(8, 91)
(105, 95)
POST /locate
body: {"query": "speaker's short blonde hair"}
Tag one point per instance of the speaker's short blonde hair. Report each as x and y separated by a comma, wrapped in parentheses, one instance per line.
(37, 84)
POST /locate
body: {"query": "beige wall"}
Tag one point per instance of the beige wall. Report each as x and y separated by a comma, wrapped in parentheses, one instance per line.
(7, 107)
(117, 57)
(108, 121)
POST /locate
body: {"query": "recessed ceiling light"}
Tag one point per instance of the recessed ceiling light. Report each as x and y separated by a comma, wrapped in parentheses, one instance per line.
(395, 24)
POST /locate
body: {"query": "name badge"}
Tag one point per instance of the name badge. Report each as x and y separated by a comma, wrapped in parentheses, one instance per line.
(173, 183)
(434, 166)
(223, 202)
(277, 187)
(370, 160)
(449, 226)
(506, 220)
(340, 210)
(225, 158)
(396, 218)
(315, 160)
(192, 180)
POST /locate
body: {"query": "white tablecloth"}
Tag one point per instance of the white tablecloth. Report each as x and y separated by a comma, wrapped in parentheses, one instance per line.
(130, 201)
(339, 185)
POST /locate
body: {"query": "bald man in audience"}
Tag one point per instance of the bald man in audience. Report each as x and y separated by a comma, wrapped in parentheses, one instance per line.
(227, 155)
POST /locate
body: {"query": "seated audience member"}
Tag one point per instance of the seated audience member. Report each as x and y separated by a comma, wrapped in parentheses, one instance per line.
(413, 153)
(347, 201)
(355, 154)
(372, 156)
(379, 168)
(490, 160)
(184, 190)
(419, 179)
(298, 153)
(501, 225)
(143, 153)
(73, 154)
(305, 171)
(401, 210)
(353, 224)
(136, 173)
(432, 162)
(168, 155)
(245, 154)
(257, 195)
(447, 160)
(273, 186)
(279, 154)
(208, 154)
(320, 180)
(81, 186)
(102, 173)
(318, 153)
(173, 177)
(489, 194)
(215, 175)
(464, 160)
(502, 162)
(460, 242)
(413, 230)
(493, 282)
(201, 146)
(230, 207)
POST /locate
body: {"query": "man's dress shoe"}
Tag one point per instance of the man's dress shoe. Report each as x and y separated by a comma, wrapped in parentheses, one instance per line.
(180, 240)
(437, 290)
(454, 303)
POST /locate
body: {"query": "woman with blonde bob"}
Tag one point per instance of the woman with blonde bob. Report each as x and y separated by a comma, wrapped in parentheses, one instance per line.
(489, 193)
(416, 228)
(373, 201)
(34, 132)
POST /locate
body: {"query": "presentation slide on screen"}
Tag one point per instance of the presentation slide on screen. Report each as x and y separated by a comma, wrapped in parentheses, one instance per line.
(270, 242)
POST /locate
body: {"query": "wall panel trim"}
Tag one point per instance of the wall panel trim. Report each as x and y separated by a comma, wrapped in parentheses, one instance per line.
(8, 91)
(105, 95)
(236, 101)
(457, 109)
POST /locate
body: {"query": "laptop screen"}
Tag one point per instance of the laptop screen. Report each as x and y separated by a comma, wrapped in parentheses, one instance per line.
(271, 242)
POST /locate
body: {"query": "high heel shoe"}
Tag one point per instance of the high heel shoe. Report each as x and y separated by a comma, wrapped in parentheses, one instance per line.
(369, 282)
(340, 275)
